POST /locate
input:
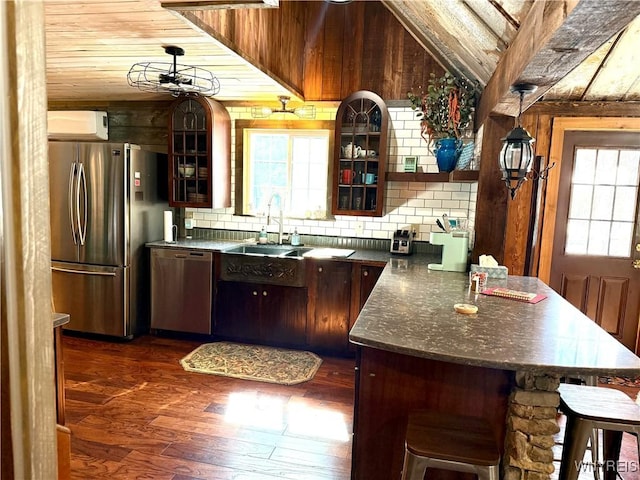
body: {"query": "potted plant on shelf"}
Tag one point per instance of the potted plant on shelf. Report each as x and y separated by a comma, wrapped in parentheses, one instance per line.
(445, 111)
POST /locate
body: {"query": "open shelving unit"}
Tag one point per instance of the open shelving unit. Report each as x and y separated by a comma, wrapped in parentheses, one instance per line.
(455, 176)
(360, 155)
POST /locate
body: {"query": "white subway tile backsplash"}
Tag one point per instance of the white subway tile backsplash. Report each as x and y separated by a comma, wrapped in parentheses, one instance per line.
(415, 202)
(407, 114)
(405, 202)
(451, 187)
(460, 196)
(442, 195)
(406, 211)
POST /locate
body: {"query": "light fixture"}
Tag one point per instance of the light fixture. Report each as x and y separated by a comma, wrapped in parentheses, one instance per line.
(305, 111)
(172, 77)
(516, 154)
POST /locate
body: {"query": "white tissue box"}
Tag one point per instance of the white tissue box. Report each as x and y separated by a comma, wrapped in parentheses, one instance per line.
(492, 272)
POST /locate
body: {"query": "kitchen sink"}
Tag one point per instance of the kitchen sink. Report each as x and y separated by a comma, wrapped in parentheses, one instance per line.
(261, 250)
(274, 264)
(270, 250)
(298, 251)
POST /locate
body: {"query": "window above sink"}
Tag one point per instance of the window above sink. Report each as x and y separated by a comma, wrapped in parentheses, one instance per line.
(289, 159)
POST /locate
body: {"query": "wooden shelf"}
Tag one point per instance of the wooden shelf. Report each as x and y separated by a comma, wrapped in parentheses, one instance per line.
(455, 176)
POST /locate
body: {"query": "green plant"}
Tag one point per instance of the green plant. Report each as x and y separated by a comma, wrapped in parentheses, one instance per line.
(446, 108)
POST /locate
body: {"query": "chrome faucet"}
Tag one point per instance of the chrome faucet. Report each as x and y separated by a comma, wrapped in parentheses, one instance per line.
(279, 221)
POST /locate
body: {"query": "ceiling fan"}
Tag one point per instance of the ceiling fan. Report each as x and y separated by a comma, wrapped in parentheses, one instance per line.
(172, 77)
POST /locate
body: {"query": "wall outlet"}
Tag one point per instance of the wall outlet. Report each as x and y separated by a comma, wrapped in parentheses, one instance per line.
(359, 228)
(415, 227)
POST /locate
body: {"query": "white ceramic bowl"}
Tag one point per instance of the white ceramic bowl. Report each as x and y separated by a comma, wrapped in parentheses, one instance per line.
(186, 170)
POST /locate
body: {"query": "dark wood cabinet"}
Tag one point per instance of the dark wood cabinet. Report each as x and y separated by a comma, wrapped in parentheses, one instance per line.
(389, 385)
(199, 154)
(329, 299)
(363, 278)
(316, 315)
(369, 275)
(269, 314)
(237, 313)
(360, 155)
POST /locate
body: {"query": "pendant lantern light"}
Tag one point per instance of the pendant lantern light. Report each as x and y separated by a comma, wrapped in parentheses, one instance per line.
(516, 155)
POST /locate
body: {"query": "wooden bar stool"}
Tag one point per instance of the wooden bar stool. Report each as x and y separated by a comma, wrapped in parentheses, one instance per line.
(591, 380)
(589, 408)
(450, 442)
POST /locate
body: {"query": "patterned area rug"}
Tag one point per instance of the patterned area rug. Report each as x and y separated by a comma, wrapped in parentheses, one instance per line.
(625, 381)
(253, 362)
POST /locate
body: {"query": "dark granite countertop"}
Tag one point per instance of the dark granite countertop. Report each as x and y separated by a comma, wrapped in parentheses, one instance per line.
(59, 319)
(369, 256)
(410, 311)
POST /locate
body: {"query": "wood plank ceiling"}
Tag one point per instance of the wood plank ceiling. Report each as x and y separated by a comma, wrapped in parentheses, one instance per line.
(92, 44)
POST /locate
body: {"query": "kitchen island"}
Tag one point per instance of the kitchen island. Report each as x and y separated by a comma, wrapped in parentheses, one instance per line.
(415, 351)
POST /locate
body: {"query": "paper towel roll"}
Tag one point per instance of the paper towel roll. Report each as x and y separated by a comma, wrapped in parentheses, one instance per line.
(168, 226)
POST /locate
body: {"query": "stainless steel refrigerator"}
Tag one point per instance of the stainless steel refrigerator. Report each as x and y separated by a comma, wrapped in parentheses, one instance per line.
(104, 208)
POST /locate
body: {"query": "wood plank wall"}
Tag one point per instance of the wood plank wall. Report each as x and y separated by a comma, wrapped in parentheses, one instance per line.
(326, 51)
(491, 204)
(142, 123)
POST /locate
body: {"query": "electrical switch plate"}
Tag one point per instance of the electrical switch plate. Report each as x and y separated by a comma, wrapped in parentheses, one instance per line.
(359, 228)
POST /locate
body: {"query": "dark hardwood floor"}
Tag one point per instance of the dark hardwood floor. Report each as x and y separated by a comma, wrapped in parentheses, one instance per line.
(134, 413)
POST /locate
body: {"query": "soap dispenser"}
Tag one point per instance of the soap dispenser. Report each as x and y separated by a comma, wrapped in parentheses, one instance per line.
(262, 236)
(295, 238)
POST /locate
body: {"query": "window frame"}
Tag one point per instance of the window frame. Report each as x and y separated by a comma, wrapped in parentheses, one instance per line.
(239, 170)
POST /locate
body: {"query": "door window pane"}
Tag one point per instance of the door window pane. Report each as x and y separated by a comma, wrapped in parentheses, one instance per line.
(628, 167)
(577, 237)
(624, 208)
(584, 165)
(598, 238)
(581, 198)
(606, 167)
(621, 233)
(602, 202)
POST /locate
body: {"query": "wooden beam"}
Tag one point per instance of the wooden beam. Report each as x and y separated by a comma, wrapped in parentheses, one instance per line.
(554, 38)
(586, 109)
(28, 413)
(184, 5)
(440, 52)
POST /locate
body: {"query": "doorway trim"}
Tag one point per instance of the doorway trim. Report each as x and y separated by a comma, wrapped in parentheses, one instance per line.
(560, 126)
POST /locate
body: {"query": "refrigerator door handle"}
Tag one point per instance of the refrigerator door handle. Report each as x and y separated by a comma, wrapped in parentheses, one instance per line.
(72, 220)
(83, 272)
(82, 184)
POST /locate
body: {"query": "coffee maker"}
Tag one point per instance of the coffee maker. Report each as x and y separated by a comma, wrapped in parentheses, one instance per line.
(455, 250)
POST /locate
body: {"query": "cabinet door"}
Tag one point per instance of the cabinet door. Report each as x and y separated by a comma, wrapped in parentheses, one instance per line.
(360, 155)
(369, 275)
(238, 311)
(199, 154)
(283, 315)
(329, 329)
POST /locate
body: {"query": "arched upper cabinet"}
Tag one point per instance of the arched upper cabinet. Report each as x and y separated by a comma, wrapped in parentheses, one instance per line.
(199, 154)
(360, 156)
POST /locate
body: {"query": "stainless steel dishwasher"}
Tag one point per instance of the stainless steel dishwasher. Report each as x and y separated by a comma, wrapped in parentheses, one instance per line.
(181, 290)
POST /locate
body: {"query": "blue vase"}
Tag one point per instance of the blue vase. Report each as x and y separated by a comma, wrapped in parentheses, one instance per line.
(447, 152)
